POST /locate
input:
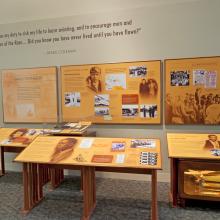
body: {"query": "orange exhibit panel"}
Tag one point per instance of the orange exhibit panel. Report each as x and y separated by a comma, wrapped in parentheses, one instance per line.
(123, 93)
(30, 95)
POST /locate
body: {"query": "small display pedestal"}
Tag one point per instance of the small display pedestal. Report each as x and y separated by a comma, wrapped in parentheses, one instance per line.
(195, 171)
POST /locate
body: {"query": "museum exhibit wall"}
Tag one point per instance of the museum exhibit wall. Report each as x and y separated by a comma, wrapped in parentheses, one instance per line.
(140, 31)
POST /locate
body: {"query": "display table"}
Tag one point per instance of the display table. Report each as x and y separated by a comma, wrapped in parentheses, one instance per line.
(195, 167)
(69, 129)
(15, 140)
(73, 129)
(89, 155)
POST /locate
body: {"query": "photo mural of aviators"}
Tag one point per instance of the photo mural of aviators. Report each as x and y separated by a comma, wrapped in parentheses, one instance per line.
(192, 108)
(17, 136)
(169, 108)
(212, 114)
(148, 88)
(212, 142)
(63, 149)
(177, 112)
(93, 80)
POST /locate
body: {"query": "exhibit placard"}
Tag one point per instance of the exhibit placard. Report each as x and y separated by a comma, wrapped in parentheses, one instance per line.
(17, 137)
(124, 93)
(203, 146)
(193, 91)
(112, 152)
(30, 95)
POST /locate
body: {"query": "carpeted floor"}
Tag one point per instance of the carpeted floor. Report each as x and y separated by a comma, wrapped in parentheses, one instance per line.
(116, 200)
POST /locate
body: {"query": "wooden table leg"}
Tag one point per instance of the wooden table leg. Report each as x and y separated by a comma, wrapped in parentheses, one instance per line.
(33, 191)
(154, 214)
(26, 188)
(81, 179)
(88, 174)
(56, 177)
(94, 188)
(2, 171)
(174, 181)
(40, 180)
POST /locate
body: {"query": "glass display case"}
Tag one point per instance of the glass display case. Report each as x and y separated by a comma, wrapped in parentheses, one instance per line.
(199, 179)
(202, 182)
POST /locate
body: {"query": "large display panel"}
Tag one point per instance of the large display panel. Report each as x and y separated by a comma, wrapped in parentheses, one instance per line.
(193, 91)
(125, 93)
(30, 95)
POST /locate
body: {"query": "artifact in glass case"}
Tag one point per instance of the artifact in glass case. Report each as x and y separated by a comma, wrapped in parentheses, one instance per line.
(202, 182)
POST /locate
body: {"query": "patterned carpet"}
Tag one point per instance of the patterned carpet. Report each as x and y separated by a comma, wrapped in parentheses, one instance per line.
(116, 200)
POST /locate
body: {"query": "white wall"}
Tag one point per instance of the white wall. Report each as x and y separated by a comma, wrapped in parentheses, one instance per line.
(170, 29)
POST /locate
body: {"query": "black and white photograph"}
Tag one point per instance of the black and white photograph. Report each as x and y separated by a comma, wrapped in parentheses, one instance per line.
(137, 71)
(72, 99)
(215, 152)
(101, 111)
(118, 146)
(143, 143)
(101, 100)
(179, 78)
(148, 111)
(199, 77)
(129, 110)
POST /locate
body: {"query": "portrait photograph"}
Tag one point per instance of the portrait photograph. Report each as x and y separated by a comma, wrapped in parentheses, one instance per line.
(148, 88)
(19, 136)
(63, 149)
(94, 81)
(212, 142)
